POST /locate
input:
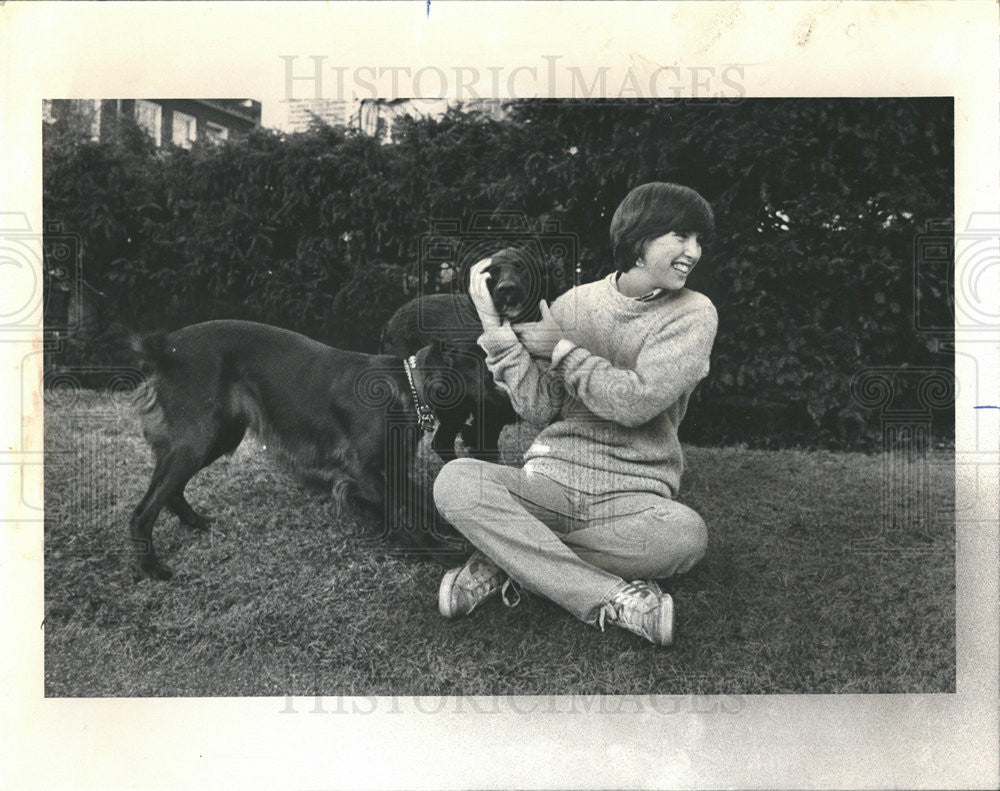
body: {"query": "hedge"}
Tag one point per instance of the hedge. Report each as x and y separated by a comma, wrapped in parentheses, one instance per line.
(821, 208)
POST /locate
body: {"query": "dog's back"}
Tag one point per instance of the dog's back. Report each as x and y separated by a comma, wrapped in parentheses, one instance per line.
(312, 403)
(450, 318)
(328, 411)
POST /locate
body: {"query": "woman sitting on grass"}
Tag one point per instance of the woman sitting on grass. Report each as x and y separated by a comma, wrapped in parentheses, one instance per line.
(613, 364)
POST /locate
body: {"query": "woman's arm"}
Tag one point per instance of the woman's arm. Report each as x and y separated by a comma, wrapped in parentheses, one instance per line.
(535, 392)
(669, 365)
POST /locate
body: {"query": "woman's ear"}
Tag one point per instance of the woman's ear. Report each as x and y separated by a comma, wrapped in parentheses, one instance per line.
(640, 250)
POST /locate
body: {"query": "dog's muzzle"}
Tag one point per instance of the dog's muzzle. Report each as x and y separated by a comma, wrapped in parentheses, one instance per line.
(509, 299)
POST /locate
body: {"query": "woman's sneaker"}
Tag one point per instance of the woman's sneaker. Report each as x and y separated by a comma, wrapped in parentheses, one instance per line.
(643, 609)
(466, 587)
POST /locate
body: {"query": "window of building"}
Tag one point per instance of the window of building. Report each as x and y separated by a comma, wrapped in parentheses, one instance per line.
(216, 132)
(81, 116)
(149, 116)
(185, 129)
(95, 118)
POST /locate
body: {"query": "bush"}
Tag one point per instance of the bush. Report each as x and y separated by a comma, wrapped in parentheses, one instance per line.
(819, 206)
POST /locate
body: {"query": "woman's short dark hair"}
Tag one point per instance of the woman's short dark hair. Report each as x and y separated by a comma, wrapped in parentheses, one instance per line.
(654, 209)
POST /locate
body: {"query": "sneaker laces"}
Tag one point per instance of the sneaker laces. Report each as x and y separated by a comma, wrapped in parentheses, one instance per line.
(485, 575)
(627, 600)
(607, 611)
(510, 593)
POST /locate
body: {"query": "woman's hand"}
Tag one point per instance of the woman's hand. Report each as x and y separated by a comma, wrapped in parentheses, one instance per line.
(482, 300)
(540, 337)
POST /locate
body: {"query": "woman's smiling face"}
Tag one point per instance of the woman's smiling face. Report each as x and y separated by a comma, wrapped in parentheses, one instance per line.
(668, 260)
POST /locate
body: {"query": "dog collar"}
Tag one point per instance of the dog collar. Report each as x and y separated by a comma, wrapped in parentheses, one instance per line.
(425, 415)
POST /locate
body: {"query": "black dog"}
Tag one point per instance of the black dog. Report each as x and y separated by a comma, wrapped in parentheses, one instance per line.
(332, 413)
(516, 288)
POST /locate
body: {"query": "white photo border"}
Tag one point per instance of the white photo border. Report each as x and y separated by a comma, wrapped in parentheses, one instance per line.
(86, 50)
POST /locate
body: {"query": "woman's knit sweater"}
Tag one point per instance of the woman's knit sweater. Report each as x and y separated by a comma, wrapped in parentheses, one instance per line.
(616, 390)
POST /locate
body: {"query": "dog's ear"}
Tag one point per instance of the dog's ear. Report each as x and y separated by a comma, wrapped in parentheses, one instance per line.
(432, 356)
(460, 354)
(435, 353)
(451, 347)
(467, 361)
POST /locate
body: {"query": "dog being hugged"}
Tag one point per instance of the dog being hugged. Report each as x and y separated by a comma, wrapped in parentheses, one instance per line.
(349, 419)
(516, 286)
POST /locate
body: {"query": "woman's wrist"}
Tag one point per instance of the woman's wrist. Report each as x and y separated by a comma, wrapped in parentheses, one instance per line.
(562, 348)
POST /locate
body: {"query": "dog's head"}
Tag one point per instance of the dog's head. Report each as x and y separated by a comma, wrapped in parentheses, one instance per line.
(453, 376)
(514, 284)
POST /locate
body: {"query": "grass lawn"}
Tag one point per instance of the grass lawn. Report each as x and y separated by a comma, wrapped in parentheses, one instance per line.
(806, 588)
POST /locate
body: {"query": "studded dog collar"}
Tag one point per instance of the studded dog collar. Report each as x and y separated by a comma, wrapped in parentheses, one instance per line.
(425, 415)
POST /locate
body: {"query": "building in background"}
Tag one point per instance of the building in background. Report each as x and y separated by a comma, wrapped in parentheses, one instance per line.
(302, 113)
(375, 116)
(179, 122)
(379, 116)
(182, 122)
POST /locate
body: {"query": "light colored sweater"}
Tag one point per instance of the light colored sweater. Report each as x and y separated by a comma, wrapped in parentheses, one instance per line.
(617, 387)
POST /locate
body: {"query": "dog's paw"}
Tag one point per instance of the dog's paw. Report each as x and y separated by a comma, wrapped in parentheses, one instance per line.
(161, 572)
(339, 493)
(203, 524)
(154, 570)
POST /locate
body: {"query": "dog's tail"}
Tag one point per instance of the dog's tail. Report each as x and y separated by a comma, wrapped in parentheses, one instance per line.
(151, 354)
(150, 350)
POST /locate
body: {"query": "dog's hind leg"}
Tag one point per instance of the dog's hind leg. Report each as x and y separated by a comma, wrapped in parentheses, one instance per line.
(189, 517)
(173, 470)
(228, 440)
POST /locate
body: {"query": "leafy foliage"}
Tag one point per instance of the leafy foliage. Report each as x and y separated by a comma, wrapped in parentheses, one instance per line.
(815, 272)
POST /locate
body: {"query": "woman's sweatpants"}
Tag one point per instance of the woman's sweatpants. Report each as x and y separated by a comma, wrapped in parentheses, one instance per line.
(571, 547)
